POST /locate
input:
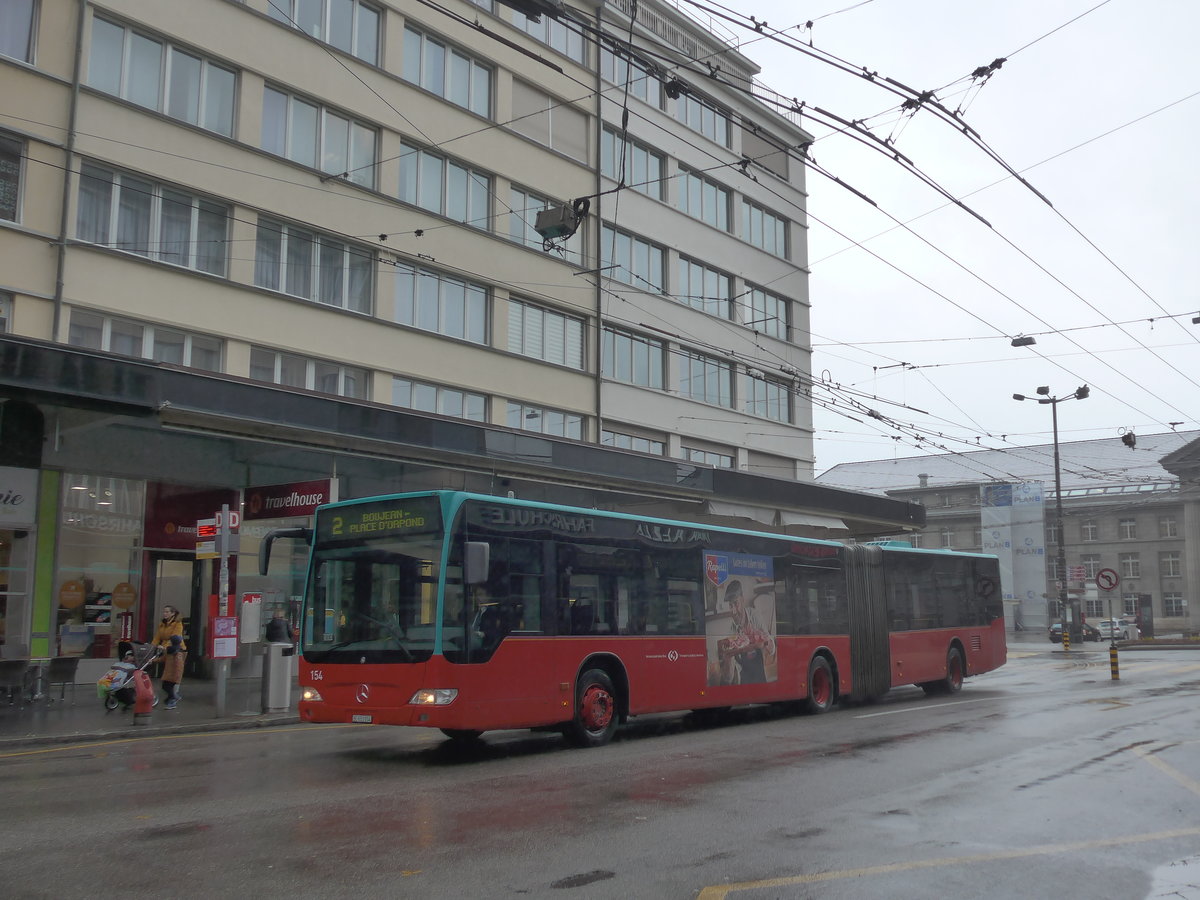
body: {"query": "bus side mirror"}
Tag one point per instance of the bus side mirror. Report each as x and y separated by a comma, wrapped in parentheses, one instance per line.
(264, 549)
(476, 562)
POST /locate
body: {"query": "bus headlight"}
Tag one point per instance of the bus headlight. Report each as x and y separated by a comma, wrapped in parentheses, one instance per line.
(434, 697)
(310, 695)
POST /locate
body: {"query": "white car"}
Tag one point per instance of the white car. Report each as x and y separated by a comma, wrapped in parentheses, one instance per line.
(1115, 629)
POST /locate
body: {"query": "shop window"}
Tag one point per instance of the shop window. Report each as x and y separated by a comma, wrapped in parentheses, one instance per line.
(98, 564)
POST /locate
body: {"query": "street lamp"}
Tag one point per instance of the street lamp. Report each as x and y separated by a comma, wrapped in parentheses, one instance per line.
(1080, 393)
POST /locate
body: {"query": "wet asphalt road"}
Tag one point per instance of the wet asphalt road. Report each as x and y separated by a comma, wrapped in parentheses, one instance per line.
(1045, 778)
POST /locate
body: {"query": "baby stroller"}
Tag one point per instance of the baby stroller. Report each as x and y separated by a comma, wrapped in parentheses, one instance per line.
(116, 688)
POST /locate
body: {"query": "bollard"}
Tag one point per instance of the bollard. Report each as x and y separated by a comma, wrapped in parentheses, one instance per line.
(1066, 638)
(144, 704)
(1113, 666)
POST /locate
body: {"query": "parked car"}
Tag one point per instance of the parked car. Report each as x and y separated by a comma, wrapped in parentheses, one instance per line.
(1090, 632)
(1116, 629)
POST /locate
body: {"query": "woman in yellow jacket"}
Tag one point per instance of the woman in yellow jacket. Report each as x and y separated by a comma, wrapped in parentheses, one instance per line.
(169, 639)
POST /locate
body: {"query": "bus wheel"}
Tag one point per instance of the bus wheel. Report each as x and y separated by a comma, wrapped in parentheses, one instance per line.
(596, 718)
(461, 734)
(953, 681)
(821, 690)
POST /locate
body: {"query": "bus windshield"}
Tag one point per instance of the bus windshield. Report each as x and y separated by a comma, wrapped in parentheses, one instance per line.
(373, 591)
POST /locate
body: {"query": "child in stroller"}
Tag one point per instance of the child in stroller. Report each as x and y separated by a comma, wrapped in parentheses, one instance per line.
(116, 688)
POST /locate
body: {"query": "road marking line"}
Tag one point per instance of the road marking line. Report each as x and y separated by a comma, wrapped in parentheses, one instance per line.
(168, 737)
(1170, 771)
(925, 706)
(720, 891)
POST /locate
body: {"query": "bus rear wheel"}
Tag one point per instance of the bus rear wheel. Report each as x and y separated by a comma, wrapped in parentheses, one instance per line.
(595, 720)
(461, 734)
(821, 689)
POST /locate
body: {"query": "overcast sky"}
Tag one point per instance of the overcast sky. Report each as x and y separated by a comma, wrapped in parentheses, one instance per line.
(1096, 106)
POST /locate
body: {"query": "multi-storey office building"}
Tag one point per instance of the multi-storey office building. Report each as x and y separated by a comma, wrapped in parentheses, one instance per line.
(1133, 511)
(276, 249)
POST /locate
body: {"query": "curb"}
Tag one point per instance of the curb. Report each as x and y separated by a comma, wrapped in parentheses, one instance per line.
(134, 731)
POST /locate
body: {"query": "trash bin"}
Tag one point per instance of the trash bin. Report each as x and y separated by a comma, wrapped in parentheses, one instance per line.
(276, 678)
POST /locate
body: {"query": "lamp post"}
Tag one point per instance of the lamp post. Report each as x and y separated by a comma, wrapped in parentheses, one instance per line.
(1080, 393)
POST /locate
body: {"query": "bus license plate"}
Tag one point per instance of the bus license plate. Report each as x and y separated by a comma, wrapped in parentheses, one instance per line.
(365, 720)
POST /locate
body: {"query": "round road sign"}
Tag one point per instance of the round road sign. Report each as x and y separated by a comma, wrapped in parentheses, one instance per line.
(1107, 579)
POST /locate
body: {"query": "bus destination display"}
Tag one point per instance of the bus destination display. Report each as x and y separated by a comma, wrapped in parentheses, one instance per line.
(385, 518)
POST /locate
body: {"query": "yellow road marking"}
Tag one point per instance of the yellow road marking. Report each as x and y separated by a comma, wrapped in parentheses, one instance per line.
(84, 745)
(719, 891)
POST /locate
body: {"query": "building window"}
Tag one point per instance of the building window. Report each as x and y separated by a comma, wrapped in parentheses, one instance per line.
(545, 334)
(447, 72)
(917, 540)
(1052, 534)
(1127, 529)
(623, 441)
(633, 359)
(554, 33)
(1174, 605)
(707, 457)
(1129, 604)
(1091, 564)
(764, 230)
(947, 536)
(640, 81)
(289, 370)
(10, 177)
(434, 398)
(703, 199)
(1131, 565)
(706, 289)
(545, 421)
(705, 116)
(348, 25)
(1168, 527)
(6, 305)
(128, 213)
(313, 266)
(438, 303)
(764, 397)
(161, 77)
(765, 150)
(706, 379)
(315, 136)
(551, 122)
(443, 186)
(1089, 530)
(17, 29)
(632, 162)
(977, 538)
(765, 312)
(632, 260)
(523, 210)
(1170, 564)
(166, 345)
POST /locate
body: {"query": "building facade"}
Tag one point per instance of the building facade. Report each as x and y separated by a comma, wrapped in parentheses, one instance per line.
(1124, 510)
(292, 247)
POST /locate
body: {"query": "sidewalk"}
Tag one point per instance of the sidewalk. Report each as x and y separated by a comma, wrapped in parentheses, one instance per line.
(85, 719)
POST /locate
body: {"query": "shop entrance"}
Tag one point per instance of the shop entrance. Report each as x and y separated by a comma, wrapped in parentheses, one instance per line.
(175, 580)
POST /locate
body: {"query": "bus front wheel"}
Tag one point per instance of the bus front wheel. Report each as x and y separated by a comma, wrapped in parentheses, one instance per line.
(821, 690)
(595, 720)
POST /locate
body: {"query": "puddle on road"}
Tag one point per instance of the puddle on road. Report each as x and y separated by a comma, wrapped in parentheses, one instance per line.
(1179, 880)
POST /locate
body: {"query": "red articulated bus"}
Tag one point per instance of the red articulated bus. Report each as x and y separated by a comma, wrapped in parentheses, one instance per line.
(470, 613)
